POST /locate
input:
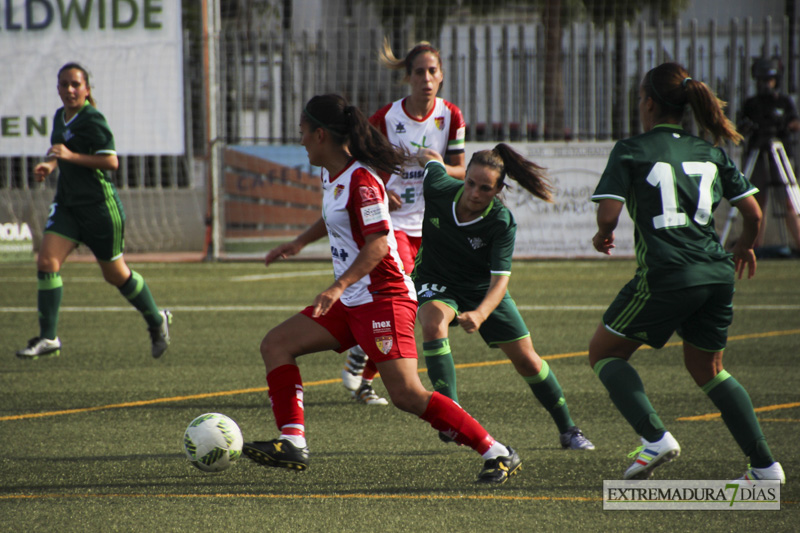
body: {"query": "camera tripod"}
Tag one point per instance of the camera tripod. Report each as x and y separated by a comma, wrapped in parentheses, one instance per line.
(786, 174)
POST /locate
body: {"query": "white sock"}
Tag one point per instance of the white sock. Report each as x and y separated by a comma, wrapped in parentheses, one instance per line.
(297, 440)
(496, 450)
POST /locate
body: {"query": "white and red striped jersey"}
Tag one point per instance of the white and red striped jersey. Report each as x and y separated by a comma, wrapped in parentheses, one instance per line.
(442, 130)
(354, 204)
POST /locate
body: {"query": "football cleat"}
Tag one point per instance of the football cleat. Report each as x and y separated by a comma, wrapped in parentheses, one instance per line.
(773, 471)
(651, 455)
(573, 439)
(40, 347)
(367, 395)
(353, 368)
(279, 453)
(499, 469)
(159, 335)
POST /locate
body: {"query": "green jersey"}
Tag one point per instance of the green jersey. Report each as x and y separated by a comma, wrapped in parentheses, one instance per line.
(86, 133)
(671, 182)
(461, 255)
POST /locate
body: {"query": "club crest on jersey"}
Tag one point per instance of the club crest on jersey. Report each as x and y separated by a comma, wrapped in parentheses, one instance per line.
(337, 192)
(476, 242)
(400, 128)
(384, 344)
(439, 121)
(68, 135)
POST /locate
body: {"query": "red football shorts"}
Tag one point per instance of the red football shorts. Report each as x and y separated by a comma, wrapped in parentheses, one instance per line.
(407, 248)
(384, 328)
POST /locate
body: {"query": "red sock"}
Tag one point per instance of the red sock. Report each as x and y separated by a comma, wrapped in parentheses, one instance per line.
(286, 396)
(370, 370)
(447, 416)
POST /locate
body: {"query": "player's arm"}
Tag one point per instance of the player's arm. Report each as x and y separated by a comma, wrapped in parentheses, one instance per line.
(426, 154)
(314, 232)
(608, 212)
(375, 248)
(471, 320)
(44, 169)
(96, 161)
(455, 164)
(743, 253)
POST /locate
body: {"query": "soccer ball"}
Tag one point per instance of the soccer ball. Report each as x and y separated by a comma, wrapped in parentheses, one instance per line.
(212, 442)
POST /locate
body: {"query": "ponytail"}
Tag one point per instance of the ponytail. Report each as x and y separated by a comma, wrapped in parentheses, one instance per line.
(671, 87)
(388, 59)
(509, 163)
(349, 127)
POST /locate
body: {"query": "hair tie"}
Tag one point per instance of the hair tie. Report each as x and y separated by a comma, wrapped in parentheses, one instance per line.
(685, 81)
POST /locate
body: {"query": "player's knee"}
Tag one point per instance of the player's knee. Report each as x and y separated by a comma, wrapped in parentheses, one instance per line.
(434, 329)
(46, 263)
(269, 345)
(408, 399)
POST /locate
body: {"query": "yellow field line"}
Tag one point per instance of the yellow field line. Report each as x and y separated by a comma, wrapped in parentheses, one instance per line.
(766, 408)
(142, 403)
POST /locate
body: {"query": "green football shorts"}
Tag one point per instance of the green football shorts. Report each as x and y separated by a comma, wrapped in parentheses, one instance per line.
(504, 325)
(101, 227)
(701, 315)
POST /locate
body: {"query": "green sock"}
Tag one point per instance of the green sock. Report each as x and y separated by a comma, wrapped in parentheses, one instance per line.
(138, 294)
(626, 390)
(50, 288)
(737, 412)
(548, 391)
(441, 369)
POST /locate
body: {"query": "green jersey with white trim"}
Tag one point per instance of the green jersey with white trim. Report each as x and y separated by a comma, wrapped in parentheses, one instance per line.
(86, 133)
(671, 182)
(461, 255)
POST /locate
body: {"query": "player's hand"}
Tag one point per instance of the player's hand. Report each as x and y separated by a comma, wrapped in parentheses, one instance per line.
(60, 151)
(283, 251)
(426, 154)
(603, 243)
(395, 202)
(744, 258)
(471, 321)
(325, 300)
(42, 170)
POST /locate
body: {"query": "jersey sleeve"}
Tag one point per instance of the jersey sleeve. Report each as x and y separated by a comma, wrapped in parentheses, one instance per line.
(435, 176)
(735, 186)
(102, 140)
(379, 118)
(366, 203)
(615, 181)
(457, 134)
(503, 250)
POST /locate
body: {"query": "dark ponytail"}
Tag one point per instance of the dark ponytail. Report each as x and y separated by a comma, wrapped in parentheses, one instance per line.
(350, 127)
(671, 87)
(509, 163)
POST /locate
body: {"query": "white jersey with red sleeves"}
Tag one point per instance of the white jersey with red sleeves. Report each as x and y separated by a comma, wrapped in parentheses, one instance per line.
(442, 130)
(354, 204)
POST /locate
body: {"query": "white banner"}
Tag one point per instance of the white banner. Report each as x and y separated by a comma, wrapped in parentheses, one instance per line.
(133, 50)
(694, 495)
(564, 228)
